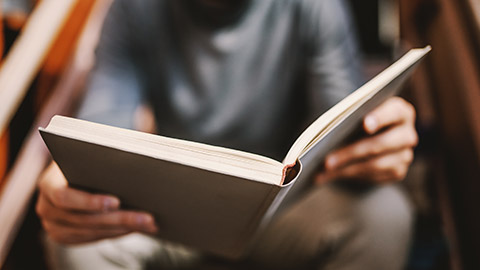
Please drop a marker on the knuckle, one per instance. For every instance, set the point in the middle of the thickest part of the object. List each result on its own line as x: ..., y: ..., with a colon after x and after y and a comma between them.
x: 410, y: 109
x: 410, y: 112
x: 398, y: 103
x: 374, y: 149
x: 58, y: 197
x: 381, y: 145
x: 396, y: 100
x: 406, y: 107
x: 399, y: 173
x: 408, y: 156
x: 378, y: 165
x: 40, y: 209
x: 414, y: 138
x: 377, y: 150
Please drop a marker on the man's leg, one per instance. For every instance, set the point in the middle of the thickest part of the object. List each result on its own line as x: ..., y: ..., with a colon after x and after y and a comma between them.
x: 334, y: 228
x: 329, y: 228
x: 134, y: 251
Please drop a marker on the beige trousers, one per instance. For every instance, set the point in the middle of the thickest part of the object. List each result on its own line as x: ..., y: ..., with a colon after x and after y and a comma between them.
x: 330, y: 227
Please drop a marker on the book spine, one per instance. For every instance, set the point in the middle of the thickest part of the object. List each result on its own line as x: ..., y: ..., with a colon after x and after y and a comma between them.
x: 286, y: 172
x: 257, y: 220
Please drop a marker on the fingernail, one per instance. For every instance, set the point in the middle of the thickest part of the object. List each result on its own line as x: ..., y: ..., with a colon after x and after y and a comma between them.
x: 146, y: 222
x: 371, y: 123
x: 143, y: 219
x: 331, y: 162
x: 110, y: 204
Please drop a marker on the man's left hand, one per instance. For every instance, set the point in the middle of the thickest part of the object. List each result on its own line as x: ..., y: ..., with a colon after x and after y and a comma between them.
x: 385, y: 154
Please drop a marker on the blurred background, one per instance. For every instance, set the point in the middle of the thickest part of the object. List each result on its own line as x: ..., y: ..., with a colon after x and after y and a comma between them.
x: 48, y: 49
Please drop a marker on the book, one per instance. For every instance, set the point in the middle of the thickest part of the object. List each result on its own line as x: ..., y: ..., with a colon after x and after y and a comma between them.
x: 211, y: 198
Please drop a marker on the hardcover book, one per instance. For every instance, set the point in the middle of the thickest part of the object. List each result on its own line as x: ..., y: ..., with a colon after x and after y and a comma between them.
x: 211, y: 198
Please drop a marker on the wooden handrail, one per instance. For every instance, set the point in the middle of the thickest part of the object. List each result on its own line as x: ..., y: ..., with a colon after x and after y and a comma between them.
x: 3, y: 135
x: 22, y: 178
x: 28, y: 53
x: 61, y: 50
x: 451, y: 85
x: 475, y: 8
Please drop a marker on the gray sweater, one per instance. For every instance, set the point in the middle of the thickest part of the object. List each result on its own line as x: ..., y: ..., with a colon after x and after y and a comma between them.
x: 250, y: 82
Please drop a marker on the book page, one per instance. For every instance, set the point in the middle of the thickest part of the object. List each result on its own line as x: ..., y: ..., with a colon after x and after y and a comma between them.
x: 348, y: 105
x: 208, y: 157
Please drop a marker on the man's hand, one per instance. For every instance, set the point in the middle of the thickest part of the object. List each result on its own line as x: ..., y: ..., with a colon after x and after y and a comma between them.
x: 71, y: 216
x: 385, y: 154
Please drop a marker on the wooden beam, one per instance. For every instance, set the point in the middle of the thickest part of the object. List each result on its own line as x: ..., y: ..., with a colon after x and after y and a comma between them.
x: 22, y: 179
x: 27, y: 54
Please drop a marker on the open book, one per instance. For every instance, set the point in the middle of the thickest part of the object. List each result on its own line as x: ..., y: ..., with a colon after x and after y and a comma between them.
x: 208, y: 197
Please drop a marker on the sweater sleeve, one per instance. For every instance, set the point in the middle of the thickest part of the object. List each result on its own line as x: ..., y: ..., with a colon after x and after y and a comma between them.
x: 114, y: 89
x: 333, y: 66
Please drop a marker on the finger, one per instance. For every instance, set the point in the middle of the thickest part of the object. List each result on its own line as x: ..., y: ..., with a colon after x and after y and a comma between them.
x: 390, y: 167
x: 132, y: 220
x: 392, y: 140
x: 54, y: 185
x: 72, y: 235
x: 73, y: 199
x: 393, y: 111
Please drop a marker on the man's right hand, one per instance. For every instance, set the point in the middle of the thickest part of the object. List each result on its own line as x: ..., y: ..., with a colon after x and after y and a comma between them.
x: 71, y: 216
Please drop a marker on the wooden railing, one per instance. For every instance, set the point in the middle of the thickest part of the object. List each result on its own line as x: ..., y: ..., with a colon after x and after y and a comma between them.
x: 447, y: 92
x: 73, y: 27
x: 26, y: 57
x: 3, y: 136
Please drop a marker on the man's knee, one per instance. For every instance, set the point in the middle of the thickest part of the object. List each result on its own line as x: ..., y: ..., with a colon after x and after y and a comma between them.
x: 306, y: 230
x: 381, y: 238
x: 386, y: 213
x: 332, y: 223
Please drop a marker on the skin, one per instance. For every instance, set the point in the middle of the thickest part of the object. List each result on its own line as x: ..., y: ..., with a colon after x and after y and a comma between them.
x: 71, y: 216
x: 385, y: 154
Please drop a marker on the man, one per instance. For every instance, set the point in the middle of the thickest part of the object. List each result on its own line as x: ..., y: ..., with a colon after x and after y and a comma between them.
x: 229, y: 73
